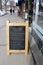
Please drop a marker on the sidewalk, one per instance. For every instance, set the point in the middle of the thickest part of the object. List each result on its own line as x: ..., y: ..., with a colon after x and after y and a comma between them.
x: 13, y: 59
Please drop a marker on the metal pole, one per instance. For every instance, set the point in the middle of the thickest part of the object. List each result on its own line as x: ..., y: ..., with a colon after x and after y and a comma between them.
x: 37, y: 11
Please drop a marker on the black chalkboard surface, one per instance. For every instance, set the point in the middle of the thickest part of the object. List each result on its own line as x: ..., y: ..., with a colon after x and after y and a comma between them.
x: 17, y: 37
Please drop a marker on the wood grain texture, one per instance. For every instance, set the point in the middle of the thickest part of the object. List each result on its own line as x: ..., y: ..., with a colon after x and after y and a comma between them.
x: 26, y: 36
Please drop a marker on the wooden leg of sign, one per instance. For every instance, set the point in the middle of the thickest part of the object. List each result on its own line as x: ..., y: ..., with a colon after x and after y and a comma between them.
x: 26, y: 52
x: 8, y: 53
x: 26, y: 39
x: 7, y: 35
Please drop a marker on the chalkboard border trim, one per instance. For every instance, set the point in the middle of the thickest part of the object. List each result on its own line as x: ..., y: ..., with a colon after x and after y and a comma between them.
x: 8, y: 23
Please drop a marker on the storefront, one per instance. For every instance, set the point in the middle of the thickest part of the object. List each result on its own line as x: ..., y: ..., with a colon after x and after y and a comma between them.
x: 38, y: 23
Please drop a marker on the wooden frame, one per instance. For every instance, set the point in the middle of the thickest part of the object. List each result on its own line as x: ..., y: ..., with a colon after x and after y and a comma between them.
x: 26, y: 36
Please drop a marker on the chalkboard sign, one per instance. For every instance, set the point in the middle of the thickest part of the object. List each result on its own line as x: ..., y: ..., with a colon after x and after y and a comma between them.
x: 17, y: 37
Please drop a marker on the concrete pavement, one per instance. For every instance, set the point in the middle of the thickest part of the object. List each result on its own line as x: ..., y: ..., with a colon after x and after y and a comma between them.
x: 13, y: 59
